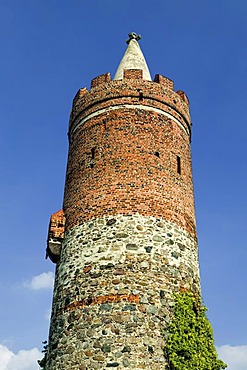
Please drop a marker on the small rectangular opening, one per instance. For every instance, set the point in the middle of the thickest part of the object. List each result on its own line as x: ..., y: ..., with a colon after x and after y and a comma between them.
x: 157, y: 154
x: 179, y: 165
x: 93, y: 153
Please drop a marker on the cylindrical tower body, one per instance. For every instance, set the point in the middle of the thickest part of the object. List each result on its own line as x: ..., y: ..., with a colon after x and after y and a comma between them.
x: 130, y: 238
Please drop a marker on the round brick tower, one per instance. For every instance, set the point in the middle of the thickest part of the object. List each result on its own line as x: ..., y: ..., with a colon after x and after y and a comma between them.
x: 130, y: 240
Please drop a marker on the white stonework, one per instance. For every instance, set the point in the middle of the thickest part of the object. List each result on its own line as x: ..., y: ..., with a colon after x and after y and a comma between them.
x: 133, y: 59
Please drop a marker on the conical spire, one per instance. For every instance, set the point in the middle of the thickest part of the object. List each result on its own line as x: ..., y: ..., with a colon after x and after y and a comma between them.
x: 133, y: 59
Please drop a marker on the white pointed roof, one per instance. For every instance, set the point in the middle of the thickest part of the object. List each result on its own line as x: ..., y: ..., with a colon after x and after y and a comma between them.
x: 133, y: 59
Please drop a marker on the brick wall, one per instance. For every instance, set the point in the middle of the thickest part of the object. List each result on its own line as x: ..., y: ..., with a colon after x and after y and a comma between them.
x: 130, y: 152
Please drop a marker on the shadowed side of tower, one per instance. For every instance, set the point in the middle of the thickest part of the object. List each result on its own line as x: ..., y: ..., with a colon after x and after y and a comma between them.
x: 130, y: 238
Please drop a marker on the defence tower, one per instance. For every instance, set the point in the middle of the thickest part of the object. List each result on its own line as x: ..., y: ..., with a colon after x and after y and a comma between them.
x: 125, y: 240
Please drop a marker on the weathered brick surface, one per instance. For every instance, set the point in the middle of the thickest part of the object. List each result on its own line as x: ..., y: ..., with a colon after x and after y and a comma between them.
x: 56, y: 226
x: 55, y: 235
x: 133, y: 74
x: 166, y: 82
x: 124, y: 151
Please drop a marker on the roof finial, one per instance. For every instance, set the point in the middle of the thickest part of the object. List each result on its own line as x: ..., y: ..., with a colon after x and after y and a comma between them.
x: 133, y: 36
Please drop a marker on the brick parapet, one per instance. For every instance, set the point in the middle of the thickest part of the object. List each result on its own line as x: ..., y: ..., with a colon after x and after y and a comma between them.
x: 99, y: 80
x: 166, y: 82
x: 133, y: 74
x: 154, y: 94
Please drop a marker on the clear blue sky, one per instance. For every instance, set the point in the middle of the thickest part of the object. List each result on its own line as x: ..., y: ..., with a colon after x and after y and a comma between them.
x: 49, y: 49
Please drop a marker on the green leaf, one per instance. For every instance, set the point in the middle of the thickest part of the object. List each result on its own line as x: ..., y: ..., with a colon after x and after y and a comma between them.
x: 190, y: 343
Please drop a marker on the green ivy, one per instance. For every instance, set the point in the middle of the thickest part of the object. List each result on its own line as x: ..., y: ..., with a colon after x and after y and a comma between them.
x: 190, y: 342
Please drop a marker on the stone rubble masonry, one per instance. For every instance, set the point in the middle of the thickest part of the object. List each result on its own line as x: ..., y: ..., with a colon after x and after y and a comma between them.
x: 114, y: 292
x: 130, y: 236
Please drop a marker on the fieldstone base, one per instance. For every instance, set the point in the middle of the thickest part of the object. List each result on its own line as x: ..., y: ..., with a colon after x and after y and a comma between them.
x: 114, y: 292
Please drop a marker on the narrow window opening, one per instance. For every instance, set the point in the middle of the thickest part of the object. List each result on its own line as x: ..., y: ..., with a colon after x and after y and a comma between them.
x: 179, y: 165
x: 140, y: 94
x: 93, y: 153
x: 92, y: 161
x: 157, y: 154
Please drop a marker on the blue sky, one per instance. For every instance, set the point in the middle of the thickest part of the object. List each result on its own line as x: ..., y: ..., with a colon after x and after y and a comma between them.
x: 49, y: 49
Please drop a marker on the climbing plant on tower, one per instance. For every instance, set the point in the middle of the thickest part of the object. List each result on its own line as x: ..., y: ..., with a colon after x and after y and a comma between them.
x: 190, y: 342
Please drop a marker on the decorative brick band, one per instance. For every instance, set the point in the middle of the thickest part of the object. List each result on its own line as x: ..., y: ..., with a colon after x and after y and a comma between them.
x: 112, y: 298
x: 129, y: 106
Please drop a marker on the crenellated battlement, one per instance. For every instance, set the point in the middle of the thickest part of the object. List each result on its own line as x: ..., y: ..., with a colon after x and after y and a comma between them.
x: 99, y: 80
x: 106, y: 93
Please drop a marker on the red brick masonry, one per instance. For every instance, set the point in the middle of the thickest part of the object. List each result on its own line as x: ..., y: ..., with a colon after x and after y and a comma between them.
x: 55, y: 235
x: 130, y: 152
